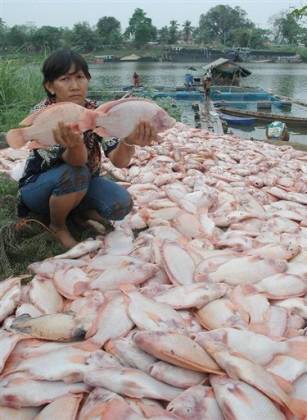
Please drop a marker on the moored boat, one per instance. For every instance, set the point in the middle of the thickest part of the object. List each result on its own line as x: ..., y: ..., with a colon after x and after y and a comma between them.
x: 267, y: 117
x: 234, y: 120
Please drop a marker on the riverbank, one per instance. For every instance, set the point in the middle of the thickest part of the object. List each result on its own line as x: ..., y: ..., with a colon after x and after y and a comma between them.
x: 188, y: 53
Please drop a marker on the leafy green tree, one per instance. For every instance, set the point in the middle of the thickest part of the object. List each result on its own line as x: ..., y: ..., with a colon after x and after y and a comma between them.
x: 163, y: 35
x: 109, y: 31
x: 299, y: 13
x: 249, y: 37
x: 47, y: 37
x: 173, y: 32
x: 187, y: 31
x: 83, y: 37
x: 140, y: 28
x: 219, y: 22
x: 287, y: 30
x: 18, y: 36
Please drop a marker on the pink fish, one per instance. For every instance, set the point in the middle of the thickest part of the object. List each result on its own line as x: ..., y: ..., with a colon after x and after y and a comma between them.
x: 40, y: 124
x: 119, y: 118
x: 116, y: 118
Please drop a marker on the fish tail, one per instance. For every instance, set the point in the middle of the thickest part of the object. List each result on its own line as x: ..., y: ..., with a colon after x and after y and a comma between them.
x: 126, y: 288
x: 298, y: 348
x: 88, y: 120
x: 298, y: 407
x: 285, y: 385
x: 109, y: 347
x: 16, y: 138
x: 100, y: 130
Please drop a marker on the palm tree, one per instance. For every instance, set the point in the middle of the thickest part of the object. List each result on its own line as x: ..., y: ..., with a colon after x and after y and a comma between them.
x: 187, y: 31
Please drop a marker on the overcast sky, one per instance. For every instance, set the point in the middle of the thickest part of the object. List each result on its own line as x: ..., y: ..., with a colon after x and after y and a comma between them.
x: 68, y: 12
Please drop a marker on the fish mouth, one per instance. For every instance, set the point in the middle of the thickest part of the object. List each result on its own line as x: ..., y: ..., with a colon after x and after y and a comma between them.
x: 79, y: 334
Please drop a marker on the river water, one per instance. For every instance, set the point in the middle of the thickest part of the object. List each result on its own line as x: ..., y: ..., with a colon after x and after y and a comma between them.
x: 282, y: 79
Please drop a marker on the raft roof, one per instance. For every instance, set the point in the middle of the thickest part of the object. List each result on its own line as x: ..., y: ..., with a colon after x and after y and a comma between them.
x: 223, y: 65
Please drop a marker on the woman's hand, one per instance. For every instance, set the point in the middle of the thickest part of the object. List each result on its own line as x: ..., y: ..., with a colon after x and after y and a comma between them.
x: 75, y: 153
x: 143, y: 135
x: 65, y: 136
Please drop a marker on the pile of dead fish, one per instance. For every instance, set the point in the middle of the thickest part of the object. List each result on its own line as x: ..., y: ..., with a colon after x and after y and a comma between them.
x: 201, y: 315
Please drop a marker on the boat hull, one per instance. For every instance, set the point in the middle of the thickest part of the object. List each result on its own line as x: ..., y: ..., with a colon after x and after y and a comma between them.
x: 233, y: 120
x: 267, y: 117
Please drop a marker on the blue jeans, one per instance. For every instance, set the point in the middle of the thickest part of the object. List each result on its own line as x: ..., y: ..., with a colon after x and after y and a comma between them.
x: 110, y: 200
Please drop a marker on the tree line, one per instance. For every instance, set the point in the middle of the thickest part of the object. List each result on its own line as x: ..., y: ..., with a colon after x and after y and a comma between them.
x: 221, y: 26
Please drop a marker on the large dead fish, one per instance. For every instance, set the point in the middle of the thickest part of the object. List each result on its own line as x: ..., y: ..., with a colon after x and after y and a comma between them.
x: 150, y: 315
x: 40, y: 124
x: 56, y: 327
x: 27, y: 413
x: 129, y: 354
x: 177, y: 349
x: 192, y: 295
x: 242, y: 400
x: 117, y: 118
x: 257, y: 348
x: 8, y: 341
x: 96, y: 402
x: 176, y: 376
x: 197, y: 402
x: 66, y: 363
x: 249, y: 372
x: 112, y: 321
x: 10, y: 294
x: 64, y: 408
x: 20, y: 390
x: 82, y: 248
x: 131, y: 382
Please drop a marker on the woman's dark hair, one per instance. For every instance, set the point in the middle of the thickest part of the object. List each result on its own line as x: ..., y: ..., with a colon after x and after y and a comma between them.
x: 59, y: 63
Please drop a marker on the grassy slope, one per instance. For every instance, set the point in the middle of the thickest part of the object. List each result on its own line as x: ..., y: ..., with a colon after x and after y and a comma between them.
x: 22, y: 243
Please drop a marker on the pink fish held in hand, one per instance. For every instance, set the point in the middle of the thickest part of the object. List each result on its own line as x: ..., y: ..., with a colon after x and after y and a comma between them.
x: 40, y: 124
x: 119, y: 118
x: 115, y: 118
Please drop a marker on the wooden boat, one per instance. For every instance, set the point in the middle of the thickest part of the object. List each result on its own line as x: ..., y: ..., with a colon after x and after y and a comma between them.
x: 267, y: 117
x: 234, y: 120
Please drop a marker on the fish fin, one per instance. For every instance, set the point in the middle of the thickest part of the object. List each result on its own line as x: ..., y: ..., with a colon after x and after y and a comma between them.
x: 15, y: 138
x: 297, y: 349
x: 109, y: 346
x: 192, y: 365
x: 126, y: 288
x: 88, y: 120
x: 298, y: 407
x: 29, y: 120
x: 85, y: 346
x: 101, y: 131
x: 285, y: 385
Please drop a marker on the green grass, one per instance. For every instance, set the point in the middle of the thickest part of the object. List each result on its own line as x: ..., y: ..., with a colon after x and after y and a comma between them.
x: 23, y: 241
x: 20, y: 245
x: 20, y: 89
